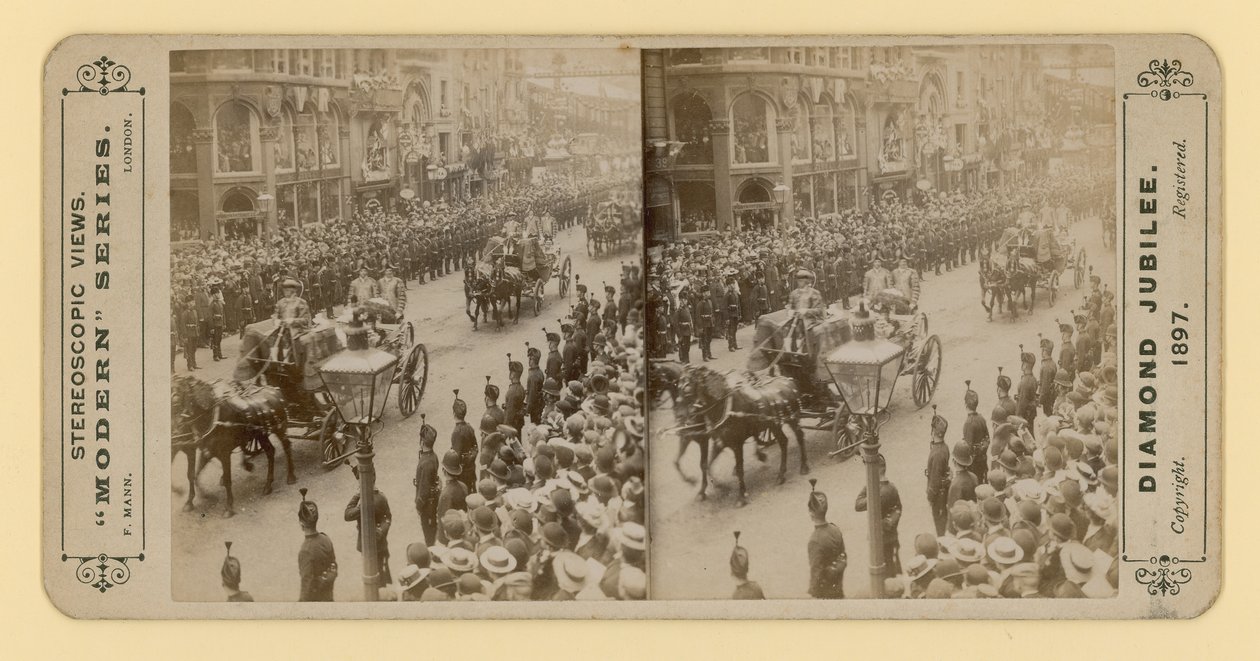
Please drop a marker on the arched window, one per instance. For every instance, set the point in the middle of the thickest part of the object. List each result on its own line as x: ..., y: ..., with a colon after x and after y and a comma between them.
x: 754, y: 193
x: 284, y: 143
x: 691, y: 127
x: 822, y: 128
x: 801, y: 131
x: 183, y: 150
x: 235, y: 138
x: 752, y: 122
x: 238, y: 201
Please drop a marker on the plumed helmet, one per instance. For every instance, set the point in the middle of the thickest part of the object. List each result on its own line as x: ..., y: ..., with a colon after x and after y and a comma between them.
x: 817, y: 503
x: 739, y: 559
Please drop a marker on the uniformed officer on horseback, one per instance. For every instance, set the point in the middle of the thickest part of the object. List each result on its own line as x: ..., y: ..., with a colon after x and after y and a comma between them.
x: 804, y: 304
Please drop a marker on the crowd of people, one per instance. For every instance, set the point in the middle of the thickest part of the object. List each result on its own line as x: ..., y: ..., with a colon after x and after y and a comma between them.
x: 745, y: 274
x: 1023, y: 503
x: 544, y: 500
x: 219, y: 287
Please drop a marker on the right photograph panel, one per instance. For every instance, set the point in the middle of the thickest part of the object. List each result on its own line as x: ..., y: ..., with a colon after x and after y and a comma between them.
x: 882, y: 270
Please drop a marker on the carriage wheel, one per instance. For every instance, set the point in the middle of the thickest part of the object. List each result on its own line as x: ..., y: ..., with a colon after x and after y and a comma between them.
x: 538, y: 296
x: 566, y: 273
x: 1078, y: 271
x: 413, y: 380
x: 927, y: 372
x: 920, y: 325
x: 332, y: 439
x: 846, y: 442
x: 1054, y: 288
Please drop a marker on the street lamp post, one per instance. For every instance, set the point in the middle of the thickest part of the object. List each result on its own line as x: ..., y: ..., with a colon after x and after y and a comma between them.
x: 264, y: 205
x: 865, y: 370
x: 780, y: 197
x: 358, y: 380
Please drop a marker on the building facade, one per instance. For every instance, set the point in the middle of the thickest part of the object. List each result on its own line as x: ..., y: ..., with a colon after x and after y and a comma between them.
x: 269, y: 140
x: 753, y: 137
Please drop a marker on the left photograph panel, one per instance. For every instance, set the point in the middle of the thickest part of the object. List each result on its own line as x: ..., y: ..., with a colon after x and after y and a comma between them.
x: 405, y: 325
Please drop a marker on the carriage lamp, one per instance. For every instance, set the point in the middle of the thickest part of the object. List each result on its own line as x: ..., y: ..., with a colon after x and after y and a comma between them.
x: 865, y: 370
x: 358, y: 381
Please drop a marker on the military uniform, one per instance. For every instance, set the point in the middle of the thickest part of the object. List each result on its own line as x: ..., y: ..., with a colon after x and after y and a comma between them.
x: 890, y: 511
x: 190, y: 335
x: 217, y: 324
x: 514, y: 403
x: 317, y: 562
x: 382, y: 519
x: 428, y: 488
x: 827, y: 562
x: 683, y: 328
x: 731, y: 300
x: 464, y: 443
x: 704, y: 327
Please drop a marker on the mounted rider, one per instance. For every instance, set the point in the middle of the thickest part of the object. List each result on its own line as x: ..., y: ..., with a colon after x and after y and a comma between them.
x: 804, y: 303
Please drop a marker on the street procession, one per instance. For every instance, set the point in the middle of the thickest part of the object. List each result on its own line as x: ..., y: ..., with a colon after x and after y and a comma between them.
x: 472, y: 347
x: 945, y: 338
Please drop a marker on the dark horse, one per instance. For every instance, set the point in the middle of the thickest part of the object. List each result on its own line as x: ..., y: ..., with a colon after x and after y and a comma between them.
x: 209, y: 422
x: 477, y: 294
x: 994, y: 292
x: 1001, y: 286
x: 712, y: 410
x: 663, y: 378
x: 505, y: 292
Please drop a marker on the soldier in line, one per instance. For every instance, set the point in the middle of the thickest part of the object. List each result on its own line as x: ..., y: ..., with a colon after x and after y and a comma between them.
x: 534, y: 385
x: 683, y: 328
x: 1026, y: 397
x: 514, y: 401
x: 463, y: 444
x: 976, y: 431
x: 937, y: 473
x: 317, y: 560
x: 731, y: 301
x: 890, y: 512
x: 744, y: 588
x: 230, y: 577
x: 428, y: 486
x: 827, y: 557
x: 704, y: 327
x: 382, y: 519
x: 190, y: 333
x: 217, y: 320
x: 1049, y: 370
x: 555, y: 363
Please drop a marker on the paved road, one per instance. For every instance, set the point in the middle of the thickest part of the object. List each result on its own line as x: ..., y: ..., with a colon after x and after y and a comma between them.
x: 265, y: 532
x: 696, y: 536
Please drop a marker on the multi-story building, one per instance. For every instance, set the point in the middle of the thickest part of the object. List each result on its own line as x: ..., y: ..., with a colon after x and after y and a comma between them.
x: 264, y: 140
x: 745, y: 137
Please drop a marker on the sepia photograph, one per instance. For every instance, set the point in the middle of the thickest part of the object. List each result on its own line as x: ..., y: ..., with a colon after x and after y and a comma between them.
x: 882, y: 269
x: 406, y: 325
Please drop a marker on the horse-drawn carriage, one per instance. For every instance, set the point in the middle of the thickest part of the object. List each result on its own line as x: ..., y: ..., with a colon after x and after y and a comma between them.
x: 509, y: 270
x: 1024, y: 261
x: 802, y: 351
x: 612, y: 228
x: 789, y: 381
x: 276, y: 390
